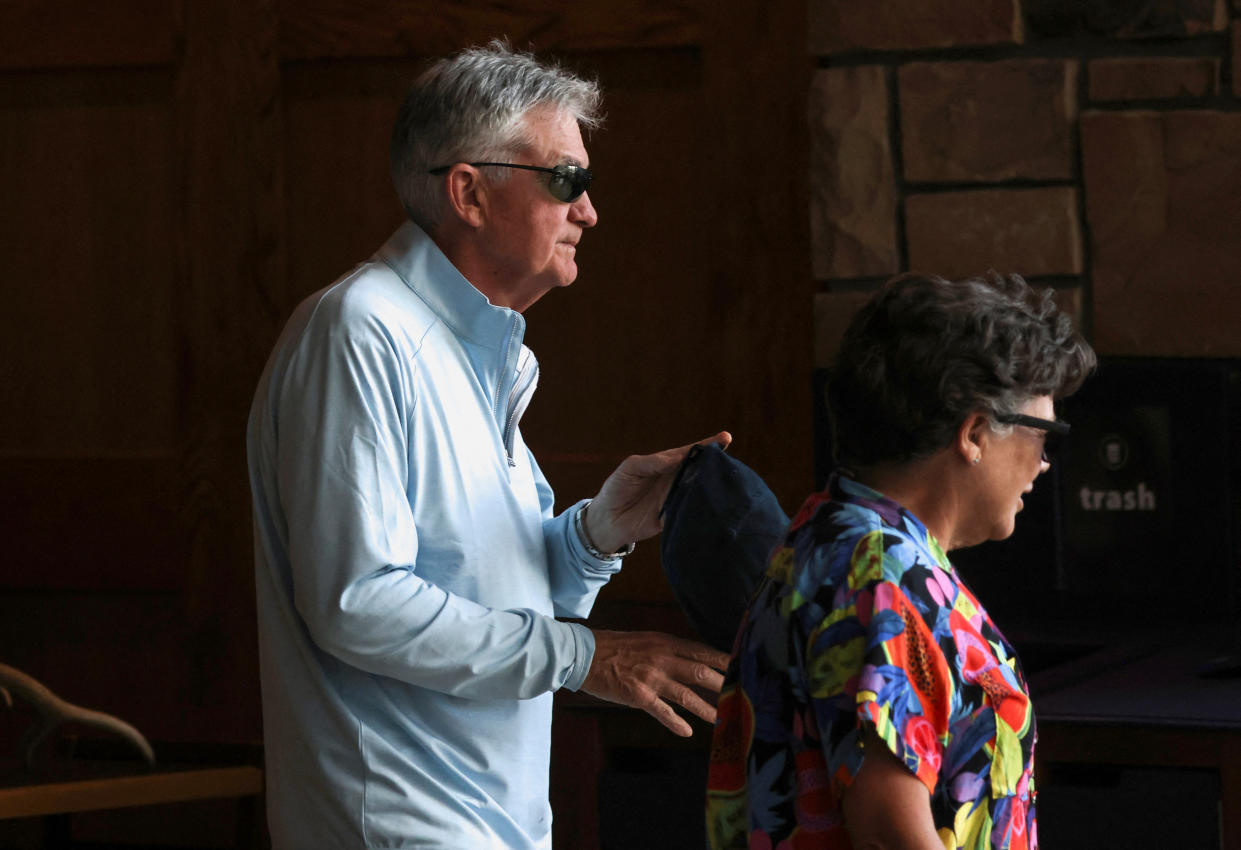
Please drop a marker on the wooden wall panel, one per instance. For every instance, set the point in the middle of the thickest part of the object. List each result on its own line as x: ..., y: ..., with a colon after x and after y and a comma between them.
x: 231, y: 254
x: 90, y: 340
x: 339, y: 201
x: 111, y: 650
x: 72, y: 34
x: 91, y: 524
x: 87, y: 342
x: 314, y: 29
x: 755, y: 85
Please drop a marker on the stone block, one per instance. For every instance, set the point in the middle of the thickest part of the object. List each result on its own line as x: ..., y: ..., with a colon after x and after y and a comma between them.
x: 1123, y: 18
x: 1026, y: 231
x: 1153, y: 78
x: 1163, y: 203
x: 986, y: 121
x: 836, y: 26
x: 832, y: 313
x: 852, y: 179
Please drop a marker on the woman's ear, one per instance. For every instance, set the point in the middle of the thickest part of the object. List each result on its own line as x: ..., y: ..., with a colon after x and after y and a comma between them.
x: 972, y: 437
x: 467, y: 194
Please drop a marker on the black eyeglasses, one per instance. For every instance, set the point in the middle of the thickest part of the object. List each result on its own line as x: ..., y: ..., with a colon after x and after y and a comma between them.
x: 567, y: 182
x: 1056, y: 430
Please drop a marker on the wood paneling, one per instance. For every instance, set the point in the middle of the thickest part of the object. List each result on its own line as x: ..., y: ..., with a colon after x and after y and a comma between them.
x: 114, y: 650
x: 71, y: 34
x: 178, y: 175
x: 339, y: 201
x: 88, y: 253
x: 231, y: 253
x: 341, y: 28
x: 757, y: 236
x: 92, y: 524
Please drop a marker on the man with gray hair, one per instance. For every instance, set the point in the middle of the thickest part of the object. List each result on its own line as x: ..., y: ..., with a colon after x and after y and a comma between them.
x: 409, y: 565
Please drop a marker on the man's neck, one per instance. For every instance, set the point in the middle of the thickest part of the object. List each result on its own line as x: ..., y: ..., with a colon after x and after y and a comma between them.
x: 462, y: 250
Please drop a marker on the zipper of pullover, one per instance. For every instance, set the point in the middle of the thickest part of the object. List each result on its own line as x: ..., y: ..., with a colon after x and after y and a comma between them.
x: 519, y: 399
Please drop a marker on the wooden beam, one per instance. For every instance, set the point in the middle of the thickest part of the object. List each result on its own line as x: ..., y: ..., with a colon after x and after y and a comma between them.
x: 319, y: 29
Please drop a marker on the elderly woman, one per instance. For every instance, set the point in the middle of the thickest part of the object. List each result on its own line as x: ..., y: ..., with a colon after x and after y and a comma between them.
x: 870, y: 701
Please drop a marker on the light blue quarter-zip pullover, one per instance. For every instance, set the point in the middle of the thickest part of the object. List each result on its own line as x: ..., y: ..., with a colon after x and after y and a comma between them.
x: 409, y: 567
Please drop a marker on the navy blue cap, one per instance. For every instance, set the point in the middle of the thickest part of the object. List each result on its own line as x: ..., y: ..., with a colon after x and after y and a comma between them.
x: 721, y: 522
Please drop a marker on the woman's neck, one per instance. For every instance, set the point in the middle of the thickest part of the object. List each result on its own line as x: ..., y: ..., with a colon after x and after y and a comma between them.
x: 923, y: 487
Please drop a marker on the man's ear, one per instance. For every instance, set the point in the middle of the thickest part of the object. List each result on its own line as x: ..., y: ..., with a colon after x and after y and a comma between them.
x: 972, y: 437
x: 467, y: 194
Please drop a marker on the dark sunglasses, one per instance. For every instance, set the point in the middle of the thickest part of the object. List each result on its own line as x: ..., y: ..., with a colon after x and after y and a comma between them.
x: 1056, y: 430
x: 567, y: 182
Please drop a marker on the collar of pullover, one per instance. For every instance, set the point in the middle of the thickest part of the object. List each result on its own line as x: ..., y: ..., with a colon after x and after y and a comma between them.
x: 492, y: 335
x: 412, y: 254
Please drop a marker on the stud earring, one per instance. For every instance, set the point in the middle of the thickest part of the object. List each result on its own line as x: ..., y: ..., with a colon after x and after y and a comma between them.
x: 977, y: 458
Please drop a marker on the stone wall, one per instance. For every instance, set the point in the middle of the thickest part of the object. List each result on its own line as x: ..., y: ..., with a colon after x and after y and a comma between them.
x: 1094, y: 147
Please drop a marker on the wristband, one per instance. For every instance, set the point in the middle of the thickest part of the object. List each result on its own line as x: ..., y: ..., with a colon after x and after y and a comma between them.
x: 579, y: 522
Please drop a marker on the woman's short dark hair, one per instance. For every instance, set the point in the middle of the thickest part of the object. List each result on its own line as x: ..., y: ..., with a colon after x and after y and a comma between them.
x: 926, y: 352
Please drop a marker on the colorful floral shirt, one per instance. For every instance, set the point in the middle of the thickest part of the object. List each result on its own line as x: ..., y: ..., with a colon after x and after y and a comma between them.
x: 862, y: 622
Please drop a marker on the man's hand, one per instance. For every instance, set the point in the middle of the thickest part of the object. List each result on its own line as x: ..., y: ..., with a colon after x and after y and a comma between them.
x: 627, y: 507
x: 643, y: 669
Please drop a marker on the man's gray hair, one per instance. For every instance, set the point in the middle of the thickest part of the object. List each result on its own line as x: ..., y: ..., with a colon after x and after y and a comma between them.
x: 471, y: 107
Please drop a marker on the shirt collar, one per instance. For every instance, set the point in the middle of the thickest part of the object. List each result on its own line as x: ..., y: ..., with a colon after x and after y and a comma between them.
x: 425, y: 269
x: 847, y: 489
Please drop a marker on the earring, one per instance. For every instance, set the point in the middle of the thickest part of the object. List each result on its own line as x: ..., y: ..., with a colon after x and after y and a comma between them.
x: 976, y: 459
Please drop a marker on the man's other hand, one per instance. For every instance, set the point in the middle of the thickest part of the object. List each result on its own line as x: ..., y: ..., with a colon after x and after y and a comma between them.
x: 627, y: 507
x: 648, y: 670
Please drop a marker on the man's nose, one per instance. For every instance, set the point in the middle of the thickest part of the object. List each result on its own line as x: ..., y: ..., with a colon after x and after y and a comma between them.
x: 583, y: 211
